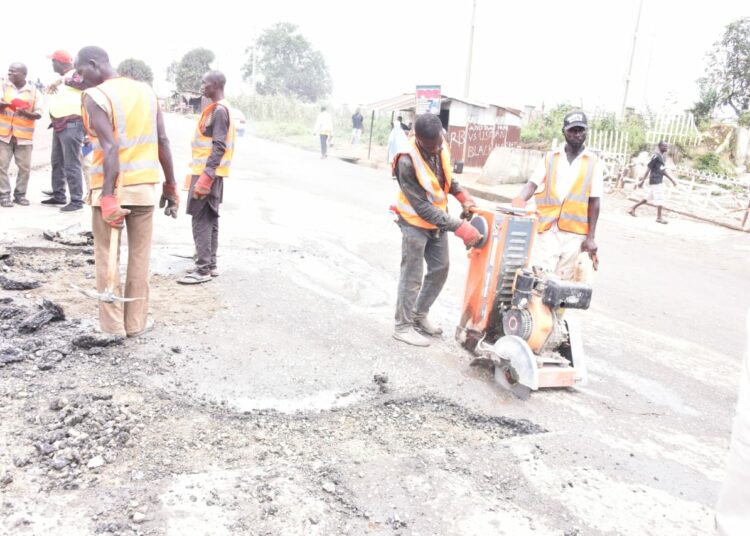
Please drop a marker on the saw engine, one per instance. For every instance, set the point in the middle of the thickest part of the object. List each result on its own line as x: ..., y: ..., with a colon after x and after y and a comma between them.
x: 513, y: 315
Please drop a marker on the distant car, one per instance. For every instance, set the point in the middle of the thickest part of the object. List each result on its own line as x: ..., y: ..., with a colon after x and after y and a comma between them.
x: 239, y: 121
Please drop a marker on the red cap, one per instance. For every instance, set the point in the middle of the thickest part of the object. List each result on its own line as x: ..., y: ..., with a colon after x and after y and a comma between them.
x: 61, y: 56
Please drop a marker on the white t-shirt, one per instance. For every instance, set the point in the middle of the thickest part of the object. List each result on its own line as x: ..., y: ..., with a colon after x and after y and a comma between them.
x: 567, y: 174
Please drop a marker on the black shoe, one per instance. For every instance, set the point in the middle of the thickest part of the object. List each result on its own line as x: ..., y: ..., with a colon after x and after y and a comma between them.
x: 21, y: 201
x: 53, y: 201
x: 48, y: 193
x: 71, y: 207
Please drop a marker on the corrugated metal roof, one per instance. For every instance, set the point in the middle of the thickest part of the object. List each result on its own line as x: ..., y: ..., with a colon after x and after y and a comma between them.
x: 401, y: 102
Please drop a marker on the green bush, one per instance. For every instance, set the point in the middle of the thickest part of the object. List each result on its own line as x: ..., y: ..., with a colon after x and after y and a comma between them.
x: 710, y: 163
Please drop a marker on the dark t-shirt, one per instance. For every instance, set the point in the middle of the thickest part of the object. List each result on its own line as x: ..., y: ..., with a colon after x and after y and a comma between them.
x: 357, y: 120
x: 656, y: 168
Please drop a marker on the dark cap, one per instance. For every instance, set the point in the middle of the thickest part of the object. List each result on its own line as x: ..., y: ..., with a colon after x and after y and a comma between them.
x: 575, y: 119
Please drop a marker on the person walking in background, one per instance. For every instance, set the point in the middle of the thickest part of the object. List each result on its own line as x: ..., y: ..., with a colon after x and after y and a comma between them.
x: 324, y: 129
x: 213, y: 147
x: 357, y: 123
x: 20, y: 108
x: 657, y: 170
x: 67, y: 134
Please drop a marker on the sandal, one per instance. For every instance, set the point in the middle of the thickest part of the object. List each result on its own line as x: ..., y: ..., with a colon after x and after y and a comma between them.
x: 194, y: 278
x: 5, y: 202
x: 662, y: 221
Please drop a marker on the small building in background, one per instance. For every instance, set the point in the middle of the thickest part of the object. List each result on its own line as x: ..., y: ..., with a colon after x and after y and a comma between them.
x: 474, y: 128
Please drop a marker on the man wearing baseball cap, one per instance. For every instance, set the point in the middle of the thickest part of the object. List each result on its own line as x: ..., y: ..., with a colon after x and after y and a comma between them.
x: 570, y: 183
x: 67, y: 134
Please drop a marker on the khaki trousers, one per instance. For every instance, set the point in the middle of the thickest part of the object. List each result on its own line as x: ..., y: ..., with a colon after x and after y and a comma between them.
x: 22, y: 155
x: 130, y: 317
x: 559, y: 252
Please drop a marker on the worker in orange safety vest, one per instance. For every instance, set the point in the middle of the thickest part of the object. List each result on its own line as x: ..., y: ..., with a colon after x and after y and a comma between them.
x: 567, y: 185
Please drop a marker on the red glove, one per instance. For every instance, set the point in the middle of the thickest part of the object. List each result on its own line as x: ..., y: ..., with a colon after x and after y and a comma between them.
x: 467, y: 203
x: 469, y: 234
x: 203, y: 186
x: 19, y: 104
x: 112, y: 213
x: 170, y: 198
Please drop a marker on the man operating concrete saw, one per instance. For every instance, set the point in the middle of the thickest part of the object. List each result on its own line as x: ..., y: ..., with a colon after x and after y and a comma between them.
x: 571, y: 182
x: 424, y: 175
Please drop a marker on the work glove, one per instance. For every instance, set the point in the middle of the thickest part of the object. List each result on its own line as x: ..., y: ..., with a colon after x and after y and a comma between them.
x: 518, y: 202
x: 112, y: 212
x: 467, y: 203
x: 169, y: 198
x: 469, y: 234
x: 203, y: 186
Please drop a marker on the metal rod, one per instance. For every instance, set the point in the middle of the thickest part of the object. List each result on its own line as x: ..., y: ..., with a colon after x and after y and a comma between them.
x: 630, y: 66
x: 467, y: 82
x: 372, y: 122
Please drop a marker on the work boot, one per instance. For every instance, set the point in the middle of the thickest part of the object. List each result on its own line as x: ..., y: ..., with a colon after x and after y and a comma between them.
x: 424, y: 324
x: 410, y: 336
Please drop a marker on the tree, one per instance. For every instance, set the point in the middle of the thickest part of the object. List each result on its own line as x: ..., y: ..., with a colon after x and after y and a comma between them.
x: 728, y: 71
x: 287, y: 65
x: 193, y: 65
x: 136, y: 69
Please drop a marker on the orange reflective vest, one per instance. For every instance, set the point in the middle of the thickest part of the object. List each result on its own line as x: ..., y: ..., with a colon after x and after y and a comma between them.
x: 572, y: 212
x: 428, y: 180
x: 134, y: 107
x: 12, y: 124
x: 203, y: 145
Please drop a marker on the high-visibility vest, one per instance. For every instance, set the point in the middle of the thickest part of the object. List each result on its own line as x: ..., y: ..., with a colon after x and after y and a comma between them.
x: 134, y: 107
x: 202, y: 145
x: 67, y: 100
x: 428, y: 180
x: 12, y: 124
x: 572, y: 212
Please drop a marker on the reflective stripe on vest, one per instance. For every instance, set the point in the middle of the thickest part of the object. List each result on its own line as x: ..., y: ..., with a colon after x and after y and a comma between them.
x: 15, y: 125
x: 571, y: 213
x: 202, y: 145
x: 428, y: 181
x: 134, y: 108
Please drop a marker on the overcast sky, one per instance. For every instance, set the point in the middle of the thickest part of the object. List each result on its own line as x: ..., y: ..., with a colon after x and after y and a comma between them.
x: 525, y: 52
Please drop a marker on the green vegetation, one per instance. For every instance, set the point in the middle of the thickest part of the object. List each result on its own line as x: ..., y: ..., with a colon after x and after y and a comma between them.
x: 287, y: 65
x: 188, y: 72
x: 136, y: 70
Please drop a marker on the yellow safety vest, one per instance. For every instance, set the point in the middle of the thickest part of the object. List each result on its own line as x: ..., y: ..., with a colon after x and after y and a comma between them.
x: 134, y: 108
x: 203, y: 145
x: 572, y: 212
x: 67, y: 100
x: 428, y: 180
x: 15, y: 125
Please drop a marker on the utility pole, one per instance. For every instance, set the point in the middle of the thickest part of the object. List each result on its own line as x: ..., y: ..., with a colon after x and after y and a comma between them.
x: 467, y: 82
x: 630, y: 66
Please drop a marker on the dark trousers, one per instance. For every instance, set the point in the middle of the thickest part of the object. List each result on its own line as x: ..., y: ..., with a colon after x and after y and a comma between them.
x: 66, y: 163
x: 324, y: 145
x: 415, y: 296
x: 205, y: 213
x: 206, y: 238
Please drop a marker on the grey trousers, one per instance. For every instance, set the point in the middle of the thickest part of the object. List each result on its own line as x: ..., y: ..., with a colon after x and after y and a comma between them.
x: 415, y: 296
x: 22, y: 155
x: 66, y: 163
x: 206, y: 238
x: 205, y: 213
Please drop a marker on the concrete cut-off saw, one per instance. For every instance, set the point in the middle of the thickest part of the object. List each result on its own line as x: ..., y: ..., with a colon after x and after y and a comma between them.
x: 512, y: 316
